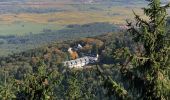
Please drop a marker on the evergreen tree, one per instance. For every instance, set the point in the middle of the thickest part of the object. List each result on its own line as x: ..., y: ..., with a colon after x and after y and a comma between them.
x: 38, y: 85
x: 95, y: 49
x: 7, y: 90
x: 146, y: 69
x: 73, y: 89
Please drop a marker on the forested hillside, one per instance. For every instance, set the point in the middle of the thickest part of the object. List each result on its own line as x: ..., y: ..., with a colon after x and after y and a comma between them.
x: 67, y: 83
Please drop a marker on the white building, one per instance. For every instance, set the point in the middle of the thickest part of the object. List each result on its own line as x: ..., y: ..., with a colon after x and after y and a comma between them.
x: 81, y: 62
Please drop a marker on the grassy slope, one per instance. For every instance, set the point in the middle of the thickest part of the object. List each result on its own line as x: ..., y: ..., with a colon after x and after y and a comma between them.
x: 12, y: 24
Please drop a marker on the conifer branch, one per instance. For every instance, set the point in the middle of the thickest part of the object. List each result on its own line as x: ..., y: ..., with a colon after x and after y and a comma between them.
x: 140, y: 19
x: 113, y: 87
x: 166, y: 6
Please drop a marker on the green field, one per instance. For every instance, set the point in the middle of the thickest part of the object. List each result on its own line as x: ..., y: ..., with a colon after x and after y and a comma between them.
x: 22, y: 28
x: 24, y: 23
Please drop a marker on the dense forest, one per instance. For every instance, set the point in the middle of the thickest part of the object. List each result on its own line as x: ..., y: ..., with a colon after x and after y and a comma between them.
x: 50, y: 59
x: 134, y: 65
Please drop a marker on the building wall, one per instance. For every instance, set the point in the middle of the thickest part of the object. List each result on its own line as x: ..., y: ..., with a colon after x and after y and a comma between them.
x: 81, y: 62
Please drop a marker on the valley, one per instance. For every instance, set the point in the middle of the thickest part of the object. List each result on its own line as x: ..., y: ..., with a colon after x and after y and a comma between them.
x: 34, y: 23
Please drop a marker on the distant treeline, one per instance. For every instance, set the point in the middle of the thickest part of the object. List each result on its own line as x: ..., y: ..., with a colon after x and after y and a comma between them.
x: 47, y: 35
x: 11, y: 9
x: 70, y: 32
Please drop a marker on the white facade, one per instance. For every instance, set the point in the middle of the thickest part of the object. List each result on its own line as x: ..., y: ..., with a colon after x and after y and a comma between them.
x: 81, y: 62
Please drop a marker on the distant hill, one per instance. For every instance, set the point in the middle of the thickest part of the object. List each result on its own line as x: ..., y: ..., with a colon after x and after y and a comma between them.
x: 75, y: 1
x: 82, y: 1
x: 115, y: 2
x: 12, y: 0
x: 67, y: 0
